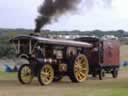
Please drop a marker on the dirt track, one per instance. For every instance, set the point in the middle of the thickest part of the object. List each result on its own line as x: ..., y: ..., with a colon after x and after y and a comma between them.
x: 63, y: 88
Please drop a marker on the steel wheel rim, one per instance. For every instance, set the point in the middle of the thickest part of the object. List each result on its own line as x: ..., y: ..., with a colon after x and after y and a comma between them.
x: 26, y: 74
x: 81, y: 68
x: 47, y: 74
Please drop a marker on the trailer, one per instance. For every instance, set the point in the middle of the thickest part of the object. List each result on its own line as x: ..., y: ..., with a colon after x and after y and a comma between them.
x: 104, y: 56
x: 51, y: 59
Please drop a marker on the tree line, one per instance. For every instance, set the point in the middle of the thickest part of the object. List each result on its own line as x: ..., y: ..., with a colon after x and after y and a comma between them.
x: 7, y: 50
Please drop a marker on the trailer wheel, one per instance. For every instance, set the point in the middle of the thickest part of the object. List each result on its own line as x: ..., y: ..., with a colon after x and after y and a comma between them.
x: 57, y: 78
x: 25, y: 75
x: 78, y: 68
x: 101, y: 74
x: 115, y: 73
x: 46, y: 74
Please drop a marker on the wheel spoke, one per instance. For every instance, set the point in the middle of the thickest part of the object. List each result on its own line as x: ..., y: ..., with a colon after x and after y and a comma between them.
x: 84, y: 69
x: 79, y: 76
x: 82, y: 74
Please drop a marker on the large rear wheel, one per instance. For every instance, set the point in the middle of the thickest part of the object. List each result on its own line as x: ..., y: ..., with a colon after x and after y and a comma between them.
x: 78, y: 69
x: 46, y: 74
x: 25, y: 75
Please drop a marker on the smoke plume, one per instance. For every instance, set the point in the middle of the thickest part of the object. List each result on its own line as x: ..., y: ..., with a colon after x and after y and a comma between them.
x: 53, y: 8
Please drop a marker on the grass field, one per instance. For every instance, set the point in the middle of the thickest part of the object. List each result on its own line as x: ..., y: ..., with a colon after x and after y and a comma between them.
x: 124, y: 53
x: 9, y: 86
x: 5, y: 75
x: 91, y: 87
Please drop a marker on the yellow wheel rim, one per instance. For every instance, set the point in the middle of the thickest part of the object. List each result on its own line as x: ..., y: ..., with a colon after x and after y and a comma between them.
x: 47, y: 74
x: 26, y: 74
x: 81, y: 68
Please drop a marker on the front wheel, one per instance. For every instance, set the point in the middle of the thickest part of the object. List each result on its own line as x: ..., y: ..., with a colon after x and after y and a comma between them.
x: 46, y: 74
x: 78, y: 68
x: 25, y: 75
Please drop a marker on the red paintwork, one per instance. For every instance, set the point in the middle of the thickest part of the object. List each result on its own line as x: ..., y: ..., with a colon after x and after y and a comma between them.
x: 111, y: 54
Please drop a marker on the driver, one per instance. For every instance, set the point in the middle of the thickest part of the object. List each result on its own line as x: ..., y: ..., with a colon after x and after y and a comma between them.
x: 38, y: 53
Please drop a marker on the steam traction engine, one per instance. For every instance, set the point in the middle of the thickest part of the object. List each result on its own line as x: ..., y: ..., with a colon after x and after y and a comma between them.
x: 51, y: 59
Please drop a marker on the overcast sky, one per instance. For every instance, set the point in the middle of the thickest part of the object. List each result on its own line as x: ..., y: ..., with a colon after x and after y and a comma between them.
x: 21, y: 14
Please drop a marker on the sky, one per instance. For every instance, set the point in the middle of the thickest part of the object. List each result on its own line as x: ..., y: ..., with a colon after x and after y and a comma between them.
x: 22, y: 13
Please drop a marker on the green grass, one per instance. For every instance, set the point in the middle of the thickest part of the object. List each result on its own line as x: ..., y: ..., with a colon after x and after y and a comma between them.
x: 124, y: 68
x: 100, y: 88
x: 124, y: 52
x: 6, y: 75
x: 106, y: 87
x: 100, y: 92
